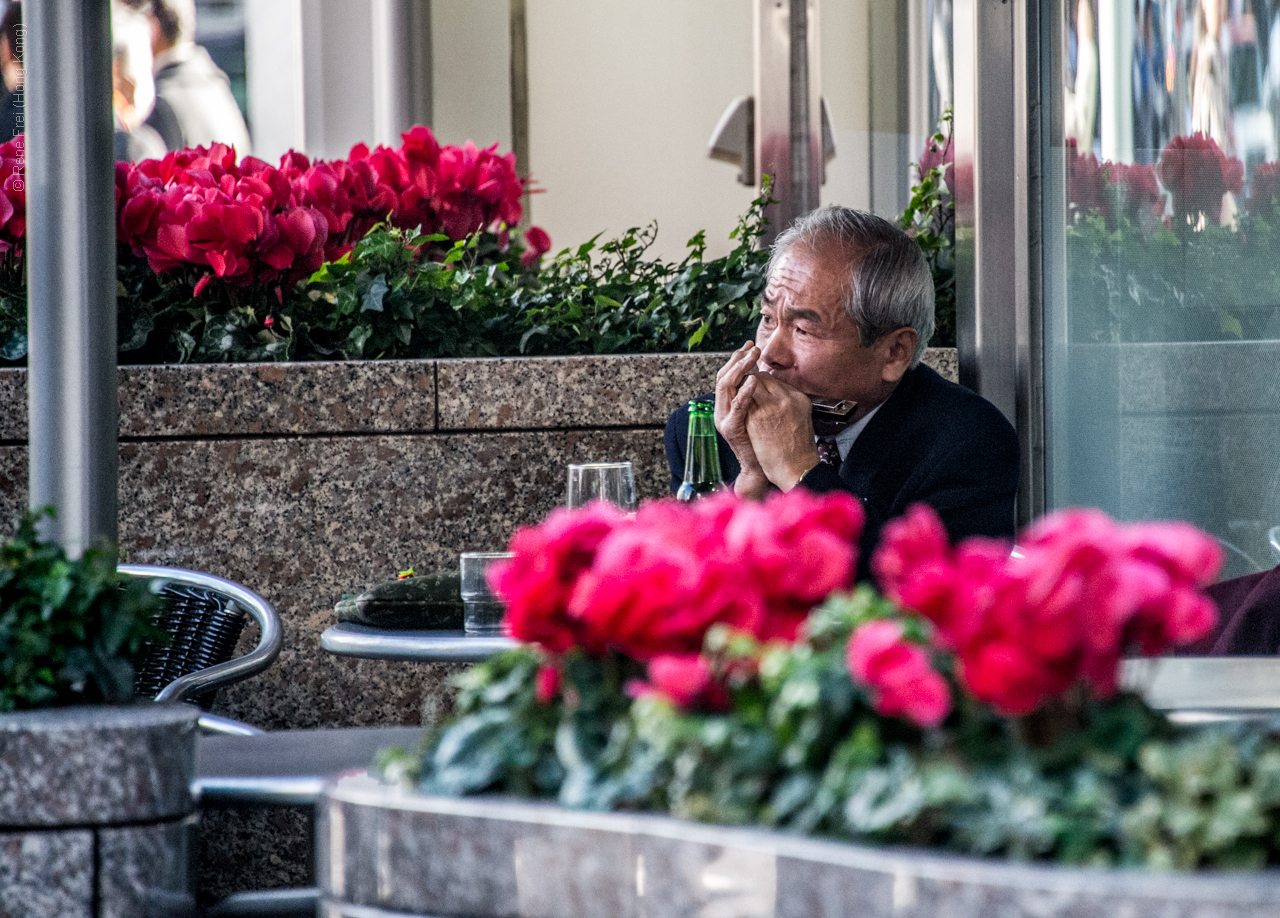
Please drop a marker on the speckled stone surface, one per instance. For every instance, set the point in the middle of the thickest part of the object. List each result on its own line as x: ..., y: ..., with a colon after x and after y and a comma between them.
x: 944, y: 360
x: 405, y: 854
x: 278, y: 398
x: 244, y: 849
x: 266, y: 398
x: 302, y: 521
x: 145, y: 870
x: 232, y: 470
x: 122, y: 872
x: 621, y: 391
x: 13, y: 404
x: 46, y: 873
x: 13, y: 486
x: 96, y: 765
x: 540, y: 392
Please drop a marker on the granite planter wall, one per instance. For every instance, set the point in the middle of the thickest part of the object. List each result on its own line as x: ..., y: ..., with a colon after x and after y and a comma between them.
x: 307, y: 481
x: 383, y: 852
x: 95, y: 812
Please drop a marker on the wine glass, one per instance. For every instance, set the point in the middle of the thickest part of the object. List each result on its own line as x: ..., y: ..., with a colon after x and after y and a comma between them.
x: 614, y: 482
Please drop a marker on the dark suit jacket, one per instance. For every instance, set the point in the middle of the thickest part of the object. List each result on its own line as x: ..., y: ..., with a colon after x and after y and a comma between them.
x: 932, y: 441
x: 1248, y: 617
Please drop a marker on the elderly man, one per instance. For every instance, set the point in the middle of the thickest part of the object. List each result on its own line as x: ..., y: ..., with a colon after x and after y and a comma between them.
x: 846, y: 314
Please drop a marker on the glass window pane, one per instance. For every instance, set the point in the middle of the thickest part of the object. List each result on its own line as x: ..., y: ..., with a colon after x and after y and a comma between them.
x: 1163, y: 323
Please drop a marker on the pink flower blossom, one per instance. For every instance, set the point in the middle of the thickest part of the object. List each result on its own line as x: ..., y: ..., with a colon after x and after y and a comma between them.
x: 686, y: 680
x: 537, y: 243
x: 1198, y: 174
x: 1086, y: 591
x: 537, y: 582
x: 654, y: 584
x: 897, y: 673
x: 546, y: 684
x: 1137, y: 190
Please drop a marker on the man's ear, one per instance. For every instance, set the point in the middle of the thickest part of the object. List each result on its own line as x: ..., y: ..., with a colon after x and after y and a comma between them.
x: 899, y: 350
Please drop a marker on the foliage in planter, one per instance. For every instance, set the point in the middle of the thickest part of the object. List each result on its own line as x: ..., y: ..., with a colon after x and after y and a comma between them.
x: 673, y: 669
x: 68, y: 628
x: 209, y: 245
x: 390, y: 298
x: 404, y: 291
x: 930, y: 219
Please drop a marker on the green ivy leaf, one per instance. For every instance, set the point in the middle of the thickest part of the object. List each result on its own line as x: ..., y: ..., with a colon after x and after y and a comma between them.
x: 372, y: 301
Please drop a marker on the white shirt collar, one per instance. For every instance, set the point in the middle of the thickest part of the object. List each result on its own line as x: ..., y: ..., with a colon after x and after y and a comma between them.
x: 846, y: 437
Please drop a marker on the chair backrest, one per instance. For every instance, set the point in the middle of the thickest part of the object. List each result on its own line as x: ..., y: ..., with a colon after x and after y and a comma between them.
x: 205, y: 616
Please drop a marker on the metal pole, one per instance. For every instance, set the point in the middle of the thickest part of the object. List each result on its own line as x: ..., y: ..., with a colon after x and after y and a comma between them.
x: 788, y: 107
x: 802, y: 203
x: 520, y: 98
x: 71, y: 268
x: 998, y: 125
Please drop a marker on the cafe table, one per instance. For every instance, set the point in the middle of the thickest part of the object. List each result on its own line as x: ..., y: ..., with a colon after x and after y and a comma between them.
x: 347, y: 639
x: 1190, y: 689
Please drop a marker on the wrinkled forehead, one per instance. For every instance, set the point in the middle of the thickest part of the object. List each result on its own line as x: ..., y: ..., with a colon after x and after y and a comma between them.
x: 814, y: 270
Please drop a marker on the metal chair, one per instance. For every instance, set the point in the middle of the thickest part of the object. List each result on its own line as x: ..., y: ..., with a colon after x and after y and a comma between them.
x: 205, y: 615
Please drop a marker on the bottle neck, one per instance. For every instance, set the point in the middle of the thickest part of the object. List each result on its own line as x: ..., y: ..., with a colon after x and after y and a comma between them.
x: 702, y: 458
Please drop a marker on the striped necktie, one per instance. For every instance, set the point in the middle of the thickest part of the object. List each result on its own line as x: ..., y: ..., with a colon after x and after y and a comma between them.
x: 829, y: 451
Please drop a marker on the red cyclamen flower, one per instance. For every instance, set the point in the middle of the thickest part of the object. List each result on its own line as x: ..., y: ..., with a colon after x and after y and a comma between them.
x: 1086, y: 590
x: 685, y: 680
x: 1198, y: 174
x: 898, y: 674
x: 547, y: 684
x: 654, y: 584
x: 537, y: 243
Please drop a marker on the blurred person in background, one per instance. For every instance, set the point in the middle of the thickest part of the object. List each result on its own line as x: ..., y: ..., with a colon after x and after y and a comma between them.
x: 1210, y: 76
x: 194, y: 105
x: 1271, y: 80
x: 133, y: 88
x: 1081, y: 103
x: 1150, y: 94
x: 12, y: 120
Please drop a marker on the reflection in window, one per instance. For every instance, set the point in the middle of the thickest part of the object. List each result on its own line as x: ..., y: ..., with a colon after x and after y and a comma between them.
x: 1162, y: 354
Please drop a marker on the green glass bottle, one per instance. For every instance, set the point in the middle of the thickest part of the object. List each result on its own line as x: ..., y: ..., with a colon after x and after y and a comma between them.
x: 701, y: 458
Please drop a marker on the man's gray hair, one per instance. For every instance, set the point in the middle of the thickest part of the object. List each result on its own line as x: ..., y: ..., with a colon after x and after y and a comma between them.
x: 887, y: 285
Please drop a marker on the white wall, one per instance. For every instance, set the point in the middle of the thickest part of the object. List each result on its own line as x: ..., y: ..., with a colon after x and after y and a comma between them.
x: 470, y: 72
x: 623, y: 97
x: 846, y: 74
x: 324, y: 75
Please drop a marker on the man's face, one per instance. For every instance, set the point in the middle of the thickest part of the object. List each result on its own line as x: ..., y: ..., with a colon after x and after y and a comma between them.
x: 808, y: 341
